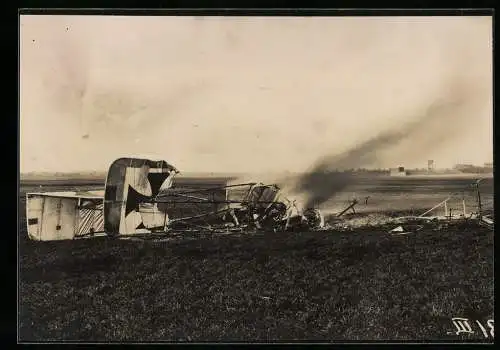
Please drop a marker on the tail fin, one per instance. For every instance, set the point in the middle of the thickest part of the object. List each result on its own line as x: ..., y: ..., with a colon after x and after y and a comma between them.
x: 132, y: 181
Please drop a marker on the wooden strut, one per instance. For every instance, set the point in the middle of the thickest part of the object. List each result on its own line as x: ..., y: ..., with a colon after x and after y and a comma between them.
x: 351, y: 206
x: 210, y: 189
x: 199, y: 216
x: 211, y: 202
x: 77, y: 218
x: 165, y: 223
x: 479, y: 204
x: 463, y: 204
x: 436, y: 206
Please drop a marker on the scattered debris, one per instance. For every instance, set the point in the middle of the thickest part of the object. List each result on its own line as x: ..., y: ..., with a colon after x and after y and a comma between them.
x: 401, y: 233
x: 487, y: 221
x: 406, y: 229
x: 142, y: 203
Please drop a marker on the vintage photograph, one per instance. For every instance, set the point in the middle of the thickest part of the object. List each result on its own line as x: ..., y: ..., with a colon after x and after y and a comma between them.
x: 255, y: 178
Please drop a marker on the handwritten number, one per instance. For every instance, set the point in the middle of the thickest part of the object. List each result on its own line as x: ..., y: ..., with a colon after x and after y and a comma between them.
x: 482, y: 328
x: 491, y: 325
x: 463, y: 326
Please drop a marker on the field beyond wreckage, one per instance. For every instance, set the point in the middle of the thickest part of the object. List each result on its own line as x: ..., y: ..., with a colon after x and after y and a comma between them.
x: 365, y: 284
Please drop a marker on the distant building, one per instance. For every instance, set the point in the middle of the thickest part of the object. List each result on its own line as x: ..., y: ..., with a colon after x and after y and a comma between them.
x: 430, y: 165
x: 399, y: 171
x: 488, y: 165
x: 463, y: 166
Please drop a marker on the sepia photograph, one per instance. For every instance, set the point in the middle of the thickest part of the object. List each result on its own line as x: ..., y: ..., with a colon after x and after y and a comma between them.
x: 255, y: 179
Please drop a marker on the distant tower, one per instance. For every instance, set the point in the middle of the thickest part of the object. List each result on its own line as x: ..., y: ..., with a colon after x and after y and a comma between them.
x: 430, y: 165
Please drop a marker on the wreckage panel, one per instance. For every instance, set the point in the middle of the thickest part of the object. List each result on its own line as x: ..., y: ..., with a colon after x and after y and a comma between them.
x: 50, y: 217
x: 34, y: 213
x: 58, y: 218
x: 132, y: 181
x: 68, y: 220
x: 90, y: 218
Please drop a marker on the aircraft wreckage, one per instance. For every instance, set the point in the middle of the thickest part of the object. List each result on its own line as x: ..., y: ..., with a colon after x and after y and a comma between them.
x: 139, y: 200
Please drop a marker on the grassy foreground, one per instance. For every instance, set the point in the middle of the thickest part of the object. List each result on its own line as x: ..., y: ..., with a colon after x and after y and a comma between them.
x: 314, y: 286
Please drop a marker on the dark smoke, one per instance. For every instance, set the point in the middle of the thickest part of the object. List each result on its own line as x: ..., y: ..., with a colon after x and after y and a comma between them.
x: 325, y: 179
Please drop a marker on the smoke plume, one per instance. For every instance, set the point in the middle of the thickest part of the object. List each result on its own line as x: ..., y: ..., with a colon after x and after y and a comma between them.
x: 444, y: 120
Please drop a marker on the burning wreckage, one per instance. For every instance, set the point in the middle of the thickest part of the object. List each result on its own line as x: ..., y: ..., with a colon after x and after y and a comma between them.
x: 139, y: 200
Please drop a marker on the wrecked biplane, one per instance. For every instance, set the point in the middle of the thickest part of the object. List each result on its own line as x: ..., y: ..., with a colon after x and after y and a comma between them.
x: 139, y: 199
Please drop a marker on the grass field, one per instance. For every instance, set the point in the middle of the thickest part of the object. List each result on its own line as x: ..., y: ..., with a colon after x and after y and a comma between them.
x: 308, y: 286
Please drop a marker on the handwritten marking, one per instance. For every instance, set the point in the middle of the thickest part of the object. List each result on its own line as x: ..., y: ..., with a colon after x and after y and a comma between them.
x: 491, y: 324
x: 485, y: 333
x: 463, y: 325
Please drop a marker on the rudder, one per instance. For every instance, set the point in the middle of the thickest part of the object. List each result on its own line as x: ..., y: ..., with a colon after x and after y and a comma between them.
x: 131, y: 181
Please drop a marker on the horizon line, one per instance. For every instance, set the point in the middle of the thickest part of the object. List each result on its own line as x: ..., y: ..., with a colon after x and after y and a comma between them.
x: 253, y: 172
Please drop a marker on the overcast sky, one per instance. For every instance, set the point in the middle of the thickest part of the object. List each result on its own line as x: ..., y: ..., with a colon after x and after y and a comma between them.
x: 252, y: 94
